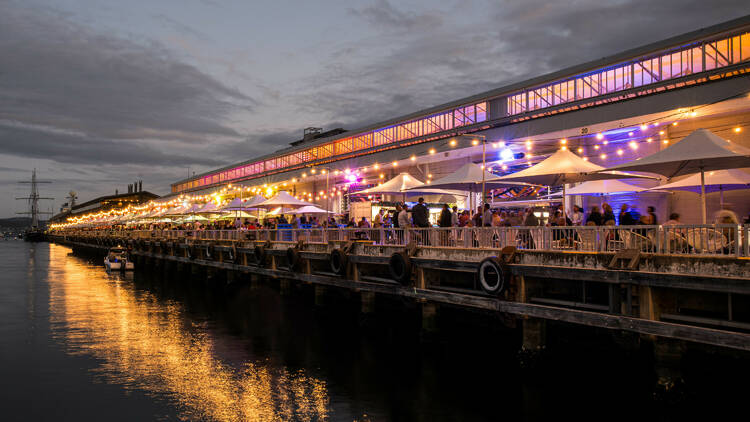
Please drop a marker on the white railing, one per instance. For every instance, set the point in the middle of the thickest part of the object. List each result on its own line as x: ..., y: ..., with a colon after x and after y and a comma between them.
x: 722, y: 240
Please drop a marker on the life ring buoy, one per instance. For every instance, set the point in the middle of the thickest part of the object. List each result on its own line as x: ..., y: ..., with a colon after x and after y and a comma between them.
x: 338, y: 261
x: 260, y: 254
x: 400, y: 267
x: 492, y: 274
x: 292, y: 258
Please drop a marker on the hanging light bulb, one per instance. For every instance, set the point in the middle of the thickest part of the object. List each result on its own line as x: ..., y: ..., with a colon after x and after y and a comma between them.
x: 599, y: 136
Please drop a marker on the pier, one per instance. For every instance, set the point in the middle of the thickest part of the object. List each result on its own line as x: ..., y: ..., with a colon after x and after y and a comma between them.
x: 661, y: 296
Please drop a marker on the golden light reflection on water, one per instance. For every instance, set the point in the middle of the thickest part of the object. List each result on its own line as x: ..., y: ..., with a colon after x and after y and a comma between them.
x: 152, y: 346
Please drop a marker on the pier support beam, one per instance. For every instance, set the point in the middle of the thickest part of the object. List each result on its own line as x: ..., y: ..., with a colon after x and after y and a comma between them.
x: 320, y: 295
x: 534, y: 342
x: 368, y: 302
x: 429, y: 317
x: 668, y: 355
x: 285, y: 287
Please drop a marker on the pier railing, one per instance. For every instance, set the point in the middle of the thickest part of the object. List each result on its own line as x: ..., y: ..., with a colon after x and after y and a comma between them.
x: 722, y: 240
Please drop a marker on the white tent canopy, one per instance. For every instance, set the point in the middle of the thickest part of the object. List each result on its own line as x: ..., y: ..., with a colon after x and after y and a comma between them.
x: 397, y: 185
x: 699, y: 152
x: 311, y: 209
x: 563, y: 167
x: 208, y: 208
x: 715, y: 181
x: 469, y: 178
x: 604, y: 187
x: 254, y: 201
x: 283, y: 199
x: 237, y: 204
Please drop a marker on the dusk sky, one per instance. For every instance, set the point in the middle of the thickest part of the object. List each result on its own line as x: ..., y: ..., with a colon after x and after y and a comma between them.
x: 97, y: 94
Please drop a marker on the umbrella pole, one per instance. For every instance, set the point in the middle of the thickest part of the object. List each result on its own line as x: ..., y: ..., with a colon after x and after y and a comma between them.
x: 563, y: 201
x: 703, y: 196
x: 721, y: 197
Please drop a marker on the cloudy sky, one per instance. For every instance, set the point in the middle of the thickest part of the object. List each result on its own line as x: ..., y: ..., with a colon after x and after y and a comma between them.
x: 96, y: 94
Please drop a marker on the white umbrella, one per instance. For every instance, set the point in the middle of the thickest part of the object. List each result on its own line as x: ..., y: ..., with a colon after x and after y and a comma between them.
x: 469, y: 178
x: 254, y: 201
x: 209, y: 208
x: 311, y: 209
x: 714, y: 181
x: 399, y: 184
x: 604, y: 187
x: 561, y: 168
x: 283, y: 199
x: 699, y: 152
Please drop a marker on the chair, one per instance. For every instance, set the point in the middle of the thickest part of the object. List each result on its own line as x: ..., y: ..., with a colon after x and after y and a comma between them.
x: 633, y: 240
x: 587, y: 239
x: 705, y: 240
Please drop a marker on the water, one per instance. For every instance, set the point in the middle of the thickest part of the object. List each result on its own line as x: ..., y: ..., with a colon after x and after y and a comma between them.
x: 79, y: 344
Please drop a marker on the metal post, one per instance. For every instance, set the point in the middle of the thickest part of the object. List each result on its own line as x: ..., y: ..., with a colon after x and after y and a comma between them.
x: 703, y: 196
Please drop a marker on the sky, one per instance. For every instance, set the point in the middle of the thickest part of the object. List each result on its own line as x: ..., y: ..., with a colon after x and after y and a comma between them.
x: 96, y: 94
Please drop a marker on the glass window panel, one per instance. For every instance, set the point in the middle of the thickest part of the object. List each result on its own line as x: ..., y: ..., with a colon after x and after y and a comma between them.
x: 735, y: 57
x: 697, y: 53
x: 745, y: 46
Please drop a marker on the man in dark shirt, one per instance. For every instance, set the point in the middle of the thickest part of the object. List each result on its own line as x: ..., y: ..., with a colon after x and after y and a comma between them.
x: 419, y: 214
x: 626, y: 219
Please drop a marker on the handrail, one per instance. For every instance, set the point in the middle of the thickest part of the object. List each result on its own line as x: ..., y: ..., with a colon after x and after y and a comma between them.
x: 700, y: 239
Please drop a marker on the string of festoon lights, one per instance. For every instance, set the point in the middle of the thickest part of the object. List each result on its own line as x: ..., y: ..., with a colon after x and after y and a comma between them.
x: 627, y: 140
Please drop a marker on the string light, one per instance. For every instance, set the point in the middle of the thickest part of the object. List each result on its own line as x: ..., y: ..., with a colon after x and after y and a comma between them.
x: 633, y: 145
x: 737, y: 129
x: 580, y: 150
x: 452, y: 142
x: 413, y: 158
x: 620, y: 152
x: 475, y: 142
x: 395, y: 164
x: 312, y: 171
x: 563, y: 141
x: 603, y: 156
x: 644, y: 127
x: 432, y: 151
x: 649, y: 140
x: 599, y: 136
x: 376, y: 166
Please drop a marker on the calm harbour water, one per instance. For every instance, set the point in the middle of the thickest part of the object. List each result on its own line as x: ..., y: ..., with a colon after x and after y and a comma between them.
x: 79, y: 344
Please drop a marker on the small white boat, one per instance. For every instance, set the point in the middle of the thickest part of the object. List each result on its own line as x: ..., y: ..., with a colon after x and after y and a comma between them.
x: 117, y: 260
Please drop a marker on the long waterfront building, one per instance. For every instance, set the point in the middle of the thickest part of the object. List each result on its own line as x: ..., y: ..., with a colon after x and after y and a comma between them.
x: 611, y: 110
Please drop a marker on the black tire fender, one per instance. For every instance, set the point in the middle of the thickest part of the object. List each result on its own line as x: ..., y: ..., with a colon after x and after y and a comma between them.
x: 400, y: 267
x: 338, y: 261
x: 492, y: 274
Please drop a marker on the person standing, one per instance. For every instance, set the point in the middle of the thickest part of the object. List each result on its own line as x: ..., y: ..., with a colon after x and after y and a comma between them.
x: 396, y: 215
x: 455, y: 217
x: 626, y: 219
x: 378, y: 221
x: 419, y: 214
x: 608, y: 213
x: 577, y: 217
x: 487, y: 216
x: 446, y: 218
x: 403, y: 217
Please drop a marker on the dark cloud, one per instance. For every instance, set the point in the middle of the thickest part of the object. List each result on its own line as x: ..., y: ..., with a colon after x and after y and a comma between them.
x: 398, y: 73
x: 385, y: 16
x: 59, y: 74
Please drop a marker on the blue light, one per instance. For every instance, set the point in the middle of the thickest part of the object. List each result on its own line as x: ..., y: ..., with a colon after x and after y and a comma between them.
x: 506, y: 154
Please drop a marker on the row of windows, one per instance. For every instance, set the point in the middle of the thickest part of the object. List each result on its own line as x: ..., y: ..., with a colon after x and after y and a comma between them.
x: 686, y: 61
x: 440, y: 122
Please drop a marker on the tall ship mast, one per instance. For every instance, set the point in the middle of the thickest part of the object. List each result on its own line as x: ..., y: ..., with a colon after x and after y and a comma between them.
x: 34, y: 232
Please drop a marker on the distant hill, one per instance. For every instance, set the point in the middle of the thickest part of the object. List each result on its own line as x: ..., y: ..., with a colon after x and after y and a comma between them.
x: 18, y: 222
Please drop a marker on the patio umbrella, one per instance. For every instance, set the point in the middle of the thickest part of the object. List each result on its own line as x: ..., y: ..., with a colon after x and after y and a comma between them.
x: 699, y: 152
x: 311, y: 209
x: 283, y: 199
x: 561, y: 168
x: 472, y: 178
x: 398, y: 185
x: 604, y: 187
x: 714, y: 181
x: 209, y: 208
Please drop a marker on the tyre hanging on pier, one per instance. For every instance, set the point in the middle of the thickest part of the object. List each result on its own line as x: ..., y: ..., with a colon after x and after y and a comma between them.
x: 400, y: 267
x: 293, y: 258
x: 492, y: 273
x: 338, y: 261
